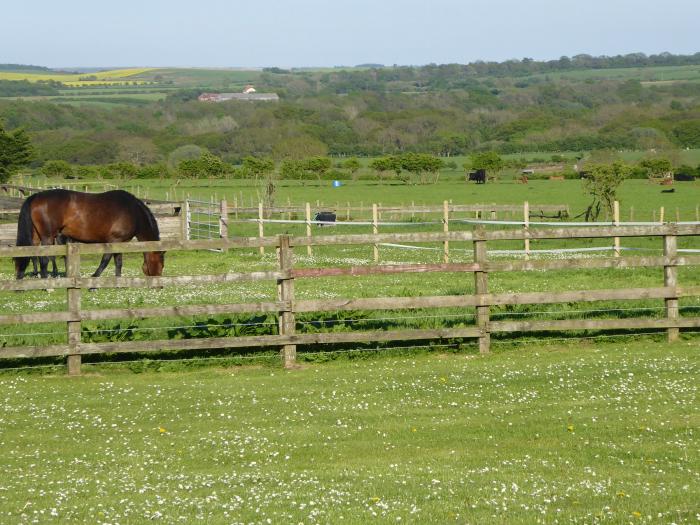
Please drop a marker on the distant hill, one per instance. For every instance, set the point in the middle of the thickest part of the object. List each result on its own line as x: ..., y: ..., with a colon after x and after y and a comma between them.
x: 22, y: 67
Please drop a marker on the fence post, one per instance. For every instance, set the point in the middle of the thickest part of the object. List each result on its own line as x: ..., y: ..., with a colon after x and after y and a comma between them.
x: 223, y: 221
x: 671, y: 280
x: 185, y: 220
x: 375, y: 230
x: 526, y: 228
x: 616, y: 222
x: 307, y: 208
x: 481, y: 280
x: 261, y: 228
x: 285, y: 293
x: 446, y: 229
x: 661, y: 215
x: 73, y: 271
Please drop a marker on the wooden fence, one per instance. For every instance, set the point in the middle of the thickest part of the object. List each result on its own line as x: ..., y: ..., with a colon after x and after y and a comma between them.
x: 287, y: 305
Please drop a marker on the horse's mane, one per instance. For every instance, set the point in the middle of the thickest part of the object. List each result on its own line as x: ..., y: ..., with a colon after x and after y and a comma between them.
x: 148, y: 215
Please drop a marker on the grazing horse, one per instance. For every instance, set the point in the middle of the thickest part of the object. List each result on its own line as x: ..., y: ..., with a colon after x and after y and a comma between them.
x: 113, y: 216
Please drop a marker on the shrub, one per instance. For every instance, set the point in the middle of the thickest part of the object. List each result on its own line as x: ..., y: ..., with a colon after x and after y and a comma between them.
x: 57, y: 168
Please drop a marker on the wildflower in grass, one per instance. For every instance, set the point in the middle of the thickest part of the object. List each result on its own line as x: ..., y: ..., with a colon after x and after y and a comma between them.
x: 570, y: 427
x: 620, y: 494
x: 637, y: 514
x: 162, y: 430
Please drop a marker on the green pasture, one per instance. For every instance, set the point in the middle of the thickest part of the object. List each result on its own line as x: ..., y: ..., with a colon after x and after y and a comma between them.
x: 597, y: 433
x: 644, y: 197
x: 200, y: 77
x: 643, y: 74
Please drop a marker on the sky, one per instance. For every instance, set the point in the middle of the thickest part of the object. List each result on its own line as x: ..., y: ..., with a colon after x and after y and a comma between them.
x: 298, y: 33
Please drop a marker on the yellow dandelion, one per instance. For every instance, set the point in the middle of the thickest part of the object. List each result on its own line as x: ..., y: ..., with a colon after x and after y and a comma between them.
x: 570, y: 427
x: 414, y: 429
x: 637, y: 514
x: 375, y: 499
x: 620, y: 494
x: 162, y: 430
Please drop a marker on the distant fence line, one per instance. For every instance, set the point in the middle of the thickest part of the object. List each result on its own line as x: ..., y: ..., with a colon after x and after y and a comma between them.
x: 288, y: 305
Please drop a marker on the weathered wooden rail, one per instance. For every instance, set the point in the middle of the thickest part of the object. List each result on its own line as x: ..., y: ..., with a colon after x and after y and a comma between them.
x: 287, y: 305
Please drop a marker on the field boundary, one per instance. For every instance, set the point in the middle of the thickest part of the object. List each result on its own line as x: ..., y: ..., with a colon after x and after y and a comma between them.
x: 287, y: 305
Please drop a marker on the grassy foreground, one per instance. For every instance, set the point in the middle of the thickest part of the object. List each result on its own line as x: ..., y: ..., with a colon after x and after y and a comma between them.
x: 599, y: 433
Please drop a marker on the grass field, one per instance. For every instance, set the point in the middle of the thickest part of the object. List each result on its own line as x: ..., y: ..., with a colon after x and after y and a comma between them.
x: 642, y: 195
x: 600, y: 433
x: 648, y: 75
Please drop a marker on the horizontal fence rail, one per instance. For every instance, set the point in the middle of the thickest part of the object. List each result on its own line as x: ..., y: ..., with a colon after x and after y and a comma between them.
x: 288, y: 305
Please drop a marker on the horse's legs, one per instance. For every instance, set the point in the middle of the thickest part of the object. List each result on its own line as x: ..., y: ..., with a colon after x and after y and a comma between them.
x: 54, y: 271
x: 44, y: 260
x: 118, y: 264
x: 103, y: 264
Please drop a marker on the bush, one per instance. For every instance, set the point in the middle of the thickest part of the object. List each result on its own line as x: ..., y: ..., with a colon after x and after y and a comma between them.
x: 57, y: 168
x: 153, y: 171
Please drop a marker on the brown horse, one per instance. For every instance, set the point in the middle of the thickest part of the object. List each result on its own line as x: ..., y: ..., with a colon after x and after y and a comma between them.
x: 113, y: 216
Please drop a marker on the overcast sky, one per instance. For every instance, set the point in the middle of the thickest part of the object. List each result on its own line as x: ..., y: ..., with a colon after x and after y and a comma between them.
x: 258, y: 33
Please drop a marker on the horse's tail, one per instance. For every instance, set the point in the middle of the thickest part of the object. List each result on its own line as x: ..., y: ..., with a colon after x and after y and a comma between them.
x: 25, y: 229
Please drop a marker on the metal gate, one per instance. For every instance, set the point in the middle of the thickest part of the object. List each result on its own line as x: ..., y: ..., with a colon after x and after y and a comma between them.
x: 204, y: 220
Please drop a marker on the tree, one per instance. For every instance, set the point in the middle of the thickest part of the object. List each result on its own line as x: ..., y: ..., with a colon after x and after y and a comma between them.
x: 57, y: 168
x: 258, y: 167
x: 383, y: 164
x: 292, y: 169
x: 318, y: 165
x: 602, y: 182
x: 656, y: 167
x: 419, y: 163
x: 15, y: 152
x: 353, y: 166
x: 488, y: 160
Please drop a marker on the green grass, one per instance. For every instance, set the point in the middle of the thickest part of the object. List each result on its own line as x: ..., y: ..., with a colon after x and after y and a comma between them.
x: 644, y: 74
x: 599, y: 433
x: 205, y: 78
x: 644, y: 197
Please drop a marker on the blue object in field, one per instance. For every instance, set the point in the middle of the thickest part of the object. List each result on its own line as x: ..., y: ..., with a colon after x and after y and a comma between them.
x: 337, y: 184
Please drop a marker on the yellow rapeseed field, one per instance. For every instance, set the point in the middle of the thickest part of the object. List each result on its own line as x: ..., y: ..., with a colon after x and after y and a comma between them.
x: 113, y: 76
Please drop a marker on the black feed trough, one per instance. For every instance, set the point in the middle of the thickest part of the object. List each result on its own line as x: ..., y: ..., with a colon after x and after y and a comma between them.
x: 325, y: 216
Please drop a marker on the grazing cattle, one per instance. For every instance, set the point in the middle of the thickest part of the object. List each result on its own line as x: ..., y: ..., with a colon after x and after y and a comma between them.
x: 325, y: 216
x: 683, y: 177
x: 478, y: 176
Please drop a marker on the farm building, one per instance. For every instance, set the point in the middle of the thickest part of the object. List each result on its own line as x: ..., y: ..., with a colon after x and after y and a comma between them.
x: 248, y: 93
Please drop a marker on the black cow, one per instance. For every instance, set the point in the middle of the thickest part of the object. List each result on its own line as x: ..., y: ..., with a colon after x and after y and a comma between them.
x: 683, y: 177
x: 325, y: 216
x: 478, y: 176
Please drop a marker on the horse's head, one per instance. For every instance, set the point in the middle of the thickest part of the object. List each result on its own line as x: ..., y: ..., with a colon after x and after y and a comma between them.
x: 153, y: 263
x: 21, y: 264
